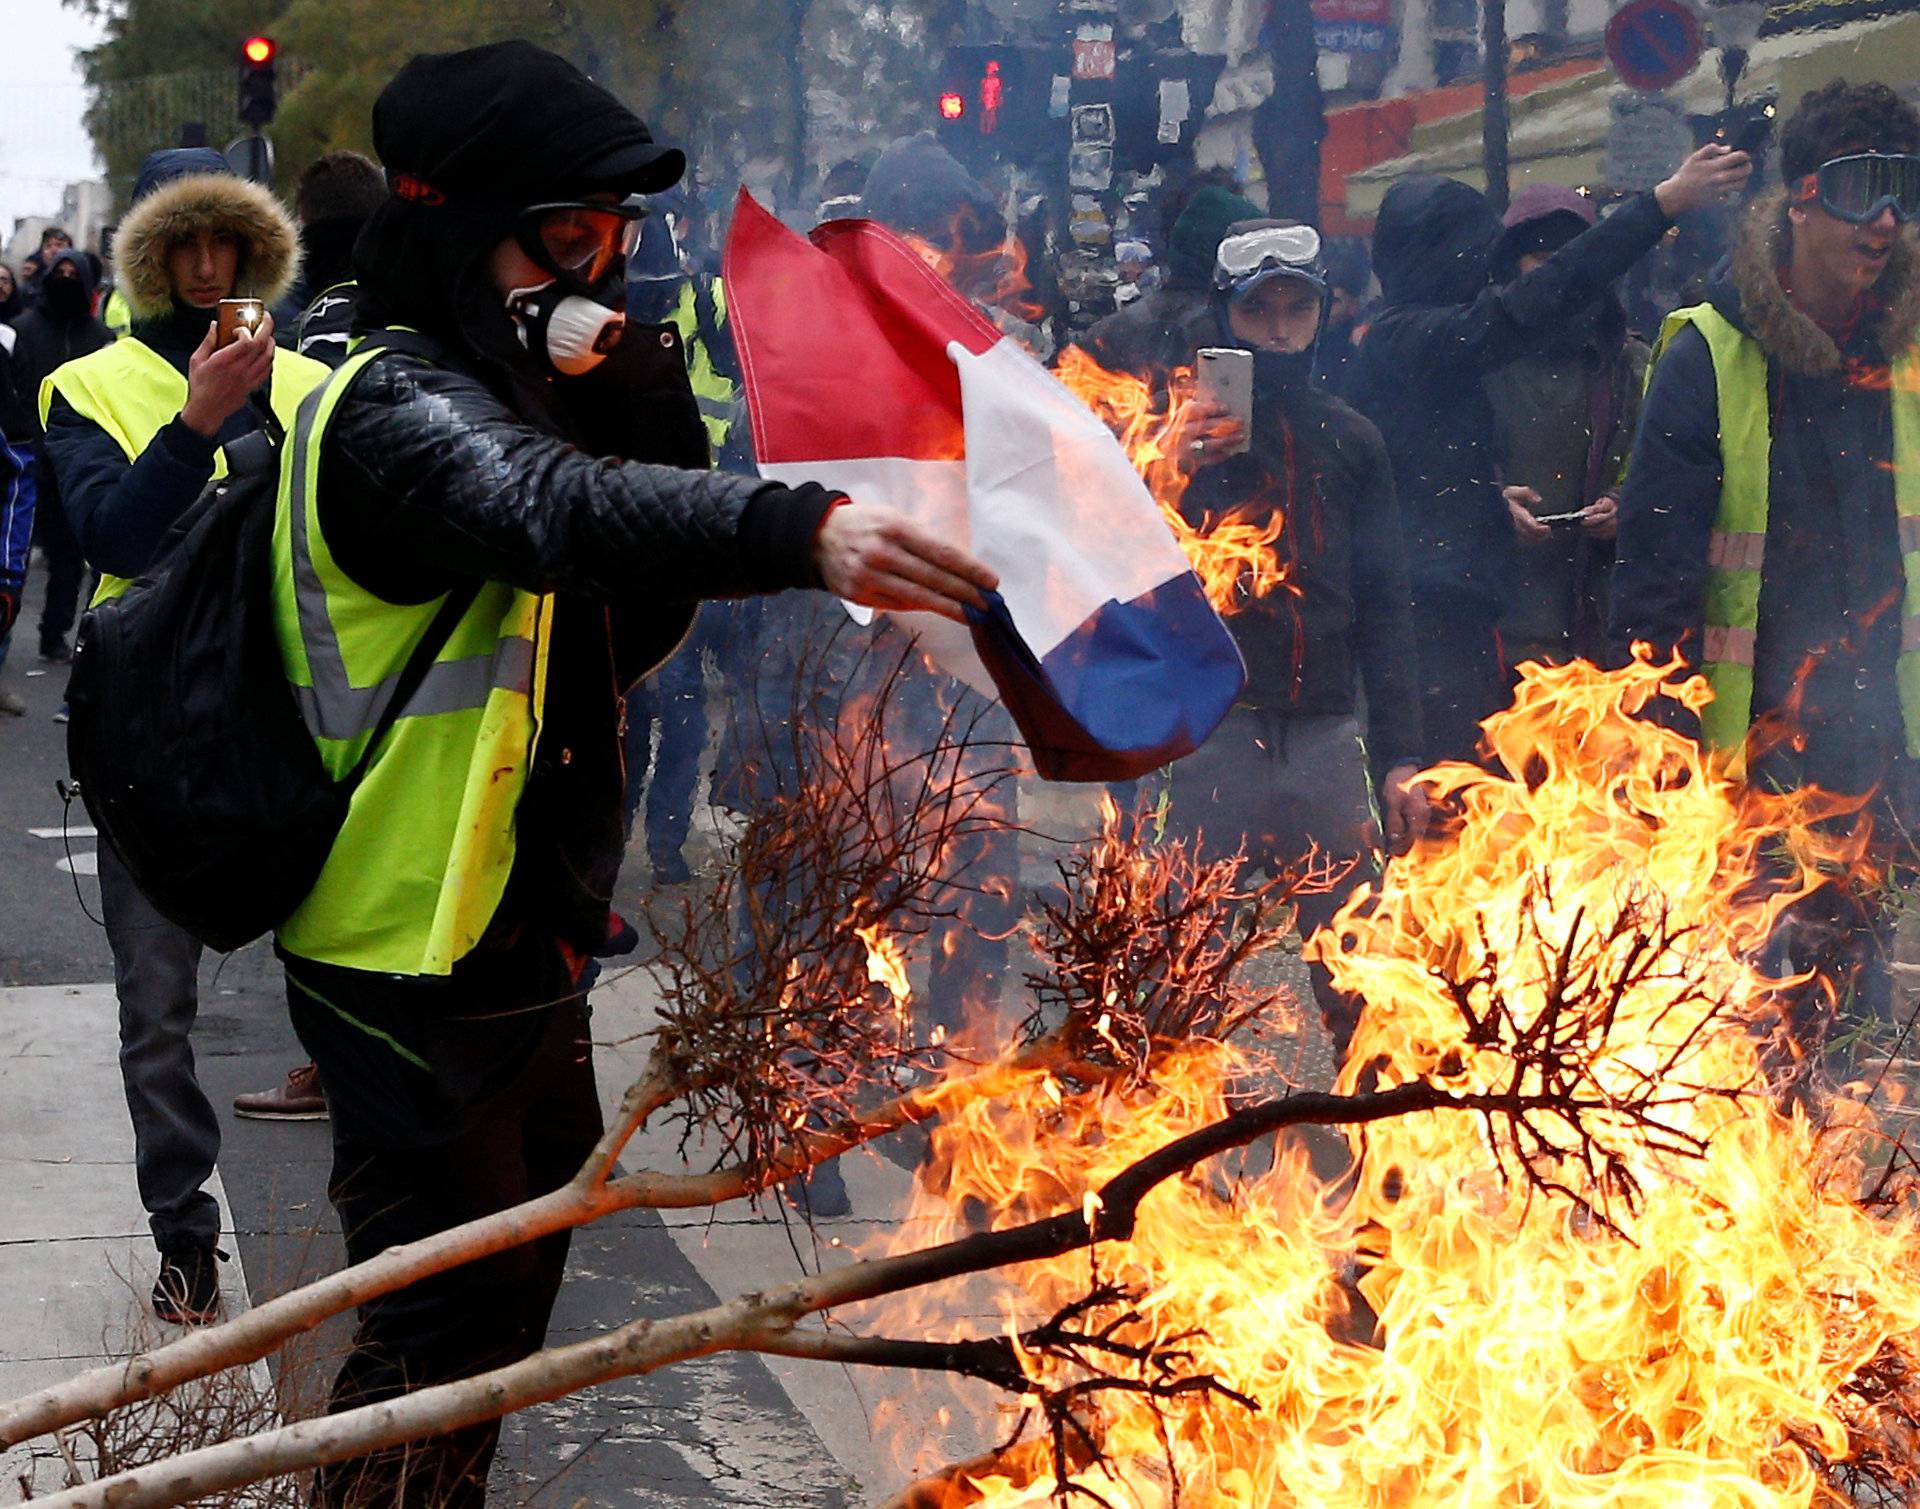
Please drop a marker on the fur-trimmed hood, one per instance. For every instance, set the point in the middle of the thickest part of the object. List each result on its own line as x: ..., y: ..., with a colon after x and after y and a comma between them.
x: 1791, y: 338
x: 270, y: 246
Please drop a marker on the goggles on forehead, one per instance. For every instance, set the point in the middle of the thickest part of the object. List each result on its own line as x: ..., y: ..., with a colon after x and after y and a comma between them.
x: 1272, y: 248
x: 580, y: 240
x: 1858, y: 187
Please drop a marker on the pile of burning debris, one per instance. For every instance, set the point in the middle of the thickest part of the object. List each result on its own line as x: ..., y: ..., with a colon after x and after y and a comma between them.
x: 1583, y: 1250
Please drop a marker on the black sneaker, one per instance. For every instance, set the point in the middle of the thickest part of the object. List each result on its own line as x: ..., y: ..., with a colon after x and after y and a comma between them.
x: 187, y: 1293
x: 54, y: 649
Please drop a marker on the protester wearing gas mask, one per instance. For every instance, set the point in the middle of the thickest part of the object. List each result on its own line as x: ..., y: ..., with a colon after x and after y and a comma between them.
x: 1288, y: 771
x: 445, y: 487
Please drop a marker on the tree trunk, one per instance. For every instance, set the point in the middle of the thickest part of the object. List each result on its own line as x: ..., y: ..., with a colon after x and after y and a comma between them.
x: 1289, y: 127
x: 1493, y: 114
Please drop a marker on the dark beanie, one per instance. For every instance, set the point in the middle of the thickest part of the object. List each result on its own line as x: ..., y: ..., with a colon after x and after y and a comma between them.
x: 1198, y: 232
x: 469, y: 139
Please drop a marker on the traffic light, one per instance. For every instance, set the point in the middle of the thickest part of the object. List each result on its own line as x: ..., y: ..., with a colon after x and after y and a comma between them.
x: 257, y: 98
x: 993, y: 102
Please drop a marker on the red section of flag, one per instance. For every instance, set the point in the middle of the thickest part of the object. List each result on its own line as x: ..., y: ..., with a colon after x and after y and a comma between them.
x: 856, y: 314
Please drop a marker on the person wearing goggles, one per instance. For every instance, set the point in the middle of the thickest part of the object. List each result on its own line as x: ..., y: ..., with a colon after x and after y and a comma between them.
x: 581, y: 240
x: 1761, y: 537
x: 1288, y: 772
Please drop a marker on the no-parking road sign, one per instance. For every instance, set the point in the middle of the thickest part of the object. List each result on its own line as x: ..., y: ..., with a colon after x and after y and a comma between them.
x: 1654, y: 43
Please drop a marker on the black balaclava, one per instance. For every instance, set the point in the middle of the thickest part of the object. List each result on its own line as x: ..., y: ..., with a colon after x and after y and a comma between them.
x: 469, y: 140
x: 69, y: 300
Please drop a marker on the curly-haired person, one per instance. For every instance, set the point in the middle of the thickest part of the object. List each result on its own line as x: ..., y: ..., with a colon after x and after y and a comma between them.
x: 1770, y: 524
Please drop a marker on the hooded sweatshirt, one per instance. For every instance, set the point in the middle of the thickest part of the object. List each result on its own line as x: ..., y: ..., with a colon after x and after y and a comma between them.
x: 1830, y: 590
x: 1564, y: 418
x: 918, y: 186
x: 57, y: 328
x: 121, y: 511
x: 1440, y: 330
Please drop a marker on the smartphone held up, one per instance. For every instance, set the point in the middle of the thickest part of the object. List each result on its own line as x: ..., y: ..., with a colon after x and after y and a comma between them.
x: 236, y: 315
x: 1224, y: 374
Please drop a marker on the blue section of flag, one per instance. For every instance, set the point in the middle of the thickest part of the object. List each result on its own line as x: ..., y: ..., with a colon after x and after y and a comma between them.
x: 1102, y: 706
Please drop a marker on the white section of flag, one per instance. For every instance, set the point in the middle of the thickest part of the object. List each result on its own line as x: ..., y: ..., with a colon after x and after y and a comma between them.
x: 1057, y: 508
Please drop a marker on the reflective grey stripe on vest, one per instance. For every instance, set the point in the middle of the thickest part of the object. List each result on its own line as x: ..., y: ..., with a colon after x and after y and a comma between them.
x: 1909, y: 533
x: 715, y: 408
x: 1733, y: 550
x: 333, y: 707
x: 1729, y: 646
x: 1910, y: 633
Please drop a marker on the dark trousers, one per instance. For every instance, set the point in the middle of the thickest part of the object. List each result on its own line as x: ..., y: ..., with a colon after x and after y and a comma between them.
x: 65, y: 568
x: 176, y: 1135
x: 1281, y: 786
x: 674, y: 700
x: 1462, y: 680
x: 480, y: 1097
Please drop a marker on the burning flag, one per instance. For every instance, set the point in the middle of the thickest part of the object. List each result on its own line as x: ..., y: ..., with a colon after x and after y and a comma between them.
x: 865, y: 372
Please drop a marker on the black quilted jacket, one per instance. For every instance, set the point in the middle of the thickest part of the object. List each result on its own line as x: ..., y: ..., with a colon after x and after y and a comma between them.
x: 429, y: 477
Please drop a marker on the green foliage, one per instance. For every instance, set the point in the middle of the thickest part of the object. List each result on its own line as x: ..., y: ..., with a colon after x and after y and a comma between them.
x: 717, y: 76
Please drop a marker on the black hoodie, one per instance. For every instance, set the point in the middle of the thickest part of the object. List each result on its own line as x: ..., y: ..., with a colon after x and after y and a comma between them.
x: 48, y: 336
x: 1439, y: 331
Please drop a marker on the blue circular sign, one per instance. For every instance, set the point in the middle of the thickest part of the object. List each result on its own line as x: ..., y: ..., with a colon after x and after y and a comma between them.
x: 1654, y: 43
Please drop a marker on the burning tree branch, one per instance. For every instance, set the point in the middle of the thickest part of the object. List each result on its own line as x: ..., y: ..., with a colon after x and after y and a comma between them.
x: 767, y: 1322
x: 1573, y: 1204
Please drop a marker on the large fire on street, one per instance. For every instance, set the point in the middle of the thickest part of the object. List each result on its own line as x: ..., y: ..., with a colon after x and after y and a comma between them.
x: 1672, y: 1287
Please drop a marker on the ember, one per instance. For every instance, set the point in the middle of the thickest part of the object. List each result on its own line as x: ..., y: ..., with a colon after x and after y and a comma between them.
x: 1235, y: 555
x: 1677, y: 1293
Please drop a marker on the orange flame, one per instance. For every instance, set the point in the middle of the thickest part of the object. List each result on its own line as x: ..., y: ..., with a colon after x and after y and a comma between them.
x: 1234, y: 556
x: 886, y: 964
x: 995, y: 277
x: 1525, y: 1354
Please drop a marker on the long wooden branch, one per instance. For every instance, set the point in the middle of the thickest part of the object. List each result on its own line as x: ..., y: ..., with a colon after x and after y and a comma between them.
x: 762, y: 1321
x: 589, y: 1196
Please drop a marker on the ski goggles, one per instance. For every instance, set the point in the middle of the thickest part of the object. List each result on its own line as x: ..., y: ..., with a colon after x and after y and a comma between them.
x: 578, y: 239
x: 1242, y: 260
x: 1858, y: 187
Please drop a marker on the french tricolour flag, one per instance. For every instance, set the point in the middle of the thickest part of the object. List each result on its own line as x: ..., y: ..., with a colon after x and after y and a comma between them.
x: 865, y: 372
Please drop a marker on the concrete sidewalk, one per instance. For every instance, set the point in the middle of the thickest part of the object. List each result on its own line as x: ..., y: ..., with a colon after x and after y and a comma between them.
x: 76, y: 1264
x: 76, y: 1259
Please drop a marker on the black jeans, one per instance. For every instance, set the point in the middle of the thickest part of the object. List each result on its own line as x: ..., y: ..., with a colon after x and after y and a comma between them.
x: 65, y: 568
x: 1462, y: 680
x: 479, y: 1095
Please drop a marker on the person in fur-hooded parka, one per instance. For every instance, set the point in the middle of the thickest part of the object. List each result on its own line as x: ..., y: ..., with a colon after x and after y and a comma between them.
x: 1828, y: 631
x: 134, y: 431
x: 171, y: 207
x: 120, y: 505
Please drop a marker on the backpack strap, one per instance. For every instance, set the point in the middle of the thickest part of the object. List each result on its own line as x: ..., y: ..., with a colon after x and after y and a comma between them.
x: 453, y: 608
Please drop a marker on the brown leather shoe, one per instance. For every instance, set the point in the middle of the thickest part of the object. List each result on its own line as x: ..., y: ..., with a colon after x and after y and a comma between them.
x: 299, y: 1099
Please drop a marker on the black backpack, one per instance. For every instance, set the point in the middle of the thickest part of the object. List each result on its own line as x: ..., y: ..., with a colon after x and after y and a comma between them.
x: 186, y: 742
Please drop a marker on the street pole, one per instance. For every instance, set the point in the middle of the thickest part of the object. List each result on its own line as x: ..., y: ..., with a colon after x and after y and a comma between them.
x: 1289, y: 127
x: 797, y: 185
x: 1493, y: 113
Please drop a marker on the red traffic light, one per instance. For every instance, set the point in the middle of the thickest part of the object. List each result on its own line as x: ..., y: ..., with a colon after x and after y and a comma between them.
x: 258, y: 50
x: 952, y: 106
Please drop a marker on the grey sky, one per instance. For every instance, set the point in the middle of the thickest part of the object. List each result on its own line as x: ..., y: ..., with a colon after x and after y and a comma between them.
x: 43, y: 144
